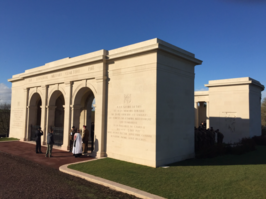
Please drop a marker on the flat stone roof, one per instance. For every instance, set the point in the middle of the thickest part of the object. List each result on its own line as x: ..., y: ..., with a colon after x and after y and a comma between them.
x: 234, y: 81
x: 201, y: 93
x: 145, y: 46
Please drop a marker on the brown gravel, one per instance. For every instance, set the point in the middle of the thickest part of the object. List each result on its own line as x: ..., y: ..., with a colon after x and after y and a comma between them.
x: 21, y: 178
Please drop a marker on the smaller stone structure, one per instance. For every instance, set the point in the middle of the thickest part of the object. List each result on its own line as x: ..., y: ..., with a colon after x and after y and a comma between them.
x: 231, y: 105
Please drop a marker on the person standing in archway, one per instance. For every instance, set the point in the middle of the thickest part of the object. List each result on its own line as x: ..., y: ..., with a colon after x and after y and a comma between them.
x: 71, y: 138
x: 77, y: 147
x: 38, y: 134
x: 85, y: 139
x: 92, y: 136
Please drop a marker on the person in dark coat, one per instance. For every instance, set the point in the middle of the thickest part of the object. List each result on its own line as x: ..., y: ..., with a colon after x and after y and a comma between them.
x: 38, y: 134
x: 85, y: 139
x: 71, y: 138
x: 50, y: 143
x: 92, y: 136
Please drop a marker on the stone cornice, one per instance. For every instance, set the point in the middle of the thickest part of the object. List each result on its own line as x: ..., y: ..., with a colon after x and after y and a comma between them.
x: 58, y: 67
x: 238, y: 81
x: 201, y: 93
x: 132, y: 51
x: 103, y: 55
x: 157, y: 46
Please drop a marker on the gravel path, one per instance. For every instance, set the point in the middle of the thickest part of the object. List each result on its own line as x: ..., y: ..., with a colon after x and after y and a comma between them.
x: 21, y: 178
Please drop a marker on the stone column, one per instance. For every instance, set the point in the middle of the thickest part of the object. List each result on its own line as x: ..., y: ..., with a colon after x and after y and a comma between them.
x: 75, y: 115
x: 43, y: 113
x: 89, y: 110
x: 32, y: 115
x: 196, y: 114
x: 26, y: 112
x: 100, y: 117
x: 50, y: 117
x: 67, y: 115
x: 207, y: 115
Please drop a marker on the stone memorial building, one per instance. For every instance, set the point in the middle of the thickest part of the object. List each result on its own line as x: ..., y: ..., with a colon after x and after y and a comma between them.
x: 144, y: 102
x: 232, y: 106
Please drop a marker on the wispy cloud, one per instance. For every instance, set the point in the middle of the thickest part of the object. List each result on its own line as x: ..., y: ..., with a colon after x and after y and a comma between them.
x: 5, y: 94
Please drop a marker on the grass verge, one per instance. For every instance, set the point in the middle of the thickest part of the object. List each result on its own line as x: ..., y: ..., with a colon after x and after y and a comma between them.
x: 8, y: 139
x: 228, y: 176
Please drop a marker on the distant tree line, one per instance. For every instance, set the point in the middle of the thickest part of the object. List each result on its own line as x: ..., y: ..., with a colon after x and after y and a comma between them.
x: 4, y: 120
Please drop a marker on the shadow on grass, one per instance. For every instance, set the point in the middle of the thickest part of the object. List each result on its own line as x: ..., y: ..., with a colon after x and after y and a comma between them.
x: 257, y: 156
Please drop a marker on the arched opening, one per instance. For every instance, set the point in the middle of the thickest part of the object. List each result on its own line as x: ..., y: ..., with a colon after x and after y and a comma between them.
x: 34, y: 114
x: 56, y: 116
x: 202, y: 114
x: 84, y: 113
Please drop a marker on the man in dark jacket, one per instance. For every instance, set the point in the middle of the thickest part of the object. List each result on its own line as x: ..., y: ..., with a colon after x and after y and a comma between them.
x: 38, y: 134
x: 85, y: 139
x: 71, y: 138
x: 50, y: 143
x: 92, y: 136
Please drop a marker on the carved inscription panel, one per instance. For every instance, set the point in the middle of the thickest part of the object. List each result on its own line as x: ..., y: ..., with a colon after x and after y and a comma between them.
x: 82, y: 70
x: 129, y: 122
x: 17, y: 118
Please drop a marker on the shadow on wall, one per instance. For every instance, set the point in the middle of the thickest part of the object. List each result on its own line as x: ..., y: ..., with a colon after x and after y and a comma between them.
x: 232, y: 127
x: 96, y: 147
x: 235, y: 128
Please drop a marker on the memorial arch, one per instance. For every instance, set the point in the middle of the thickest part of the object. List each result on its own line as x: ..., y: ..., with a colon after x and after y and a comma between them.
x: 146, y: 108
x: 83, y: 112
x: 56, y: 114
x: 34, y: 110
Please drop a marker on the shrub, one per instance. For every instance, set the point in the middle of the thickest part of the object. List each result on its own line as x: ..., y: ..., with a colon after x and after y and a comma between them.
x: 263, y: 130
x: 204, y: 139
x: 243, y: 146
x: 211, y: 151
x: 259, y: 140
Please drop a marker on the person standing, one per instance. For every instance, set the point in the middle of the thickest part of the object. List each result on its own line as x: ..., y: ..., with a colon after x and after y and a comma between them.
x: 92, y: 136
x: 85, y: 139
x: 77, y: 147
x: 50, y: 143
x: 71, y: 138
x: 38, y: 134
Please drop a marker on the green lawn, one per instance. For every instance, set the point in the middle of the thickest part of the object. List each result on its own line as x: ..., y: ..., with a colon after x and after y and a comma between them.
x: 7, y: 139
x: 229, y: 176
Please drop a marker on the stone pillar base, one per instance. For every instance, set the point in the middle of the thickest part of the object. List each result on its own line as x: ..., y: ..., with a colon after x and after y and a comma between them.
x: 64, y: 147
x: 100, y: 155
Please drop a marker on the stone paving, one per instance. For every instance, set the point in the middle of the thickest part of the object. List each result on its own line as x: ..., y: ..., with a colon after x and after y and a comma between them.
x: 27, y: 151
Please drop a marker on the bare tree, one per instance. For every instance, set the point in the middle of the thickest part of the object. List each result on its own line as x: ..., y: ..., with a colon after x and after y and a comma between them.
x: 4, y: 119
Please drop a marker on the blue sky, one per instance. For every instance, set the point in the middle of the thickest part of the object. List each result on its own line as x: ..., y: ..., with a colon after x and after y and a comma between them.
x: 228, y: 35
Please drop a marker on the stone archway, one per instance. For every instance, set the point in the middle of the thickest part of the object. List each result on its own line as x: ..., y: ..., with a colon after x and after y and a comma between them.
x: 35, y: 110
x: 201, y: 114
x: 84, y: 112
x: 56, y: 116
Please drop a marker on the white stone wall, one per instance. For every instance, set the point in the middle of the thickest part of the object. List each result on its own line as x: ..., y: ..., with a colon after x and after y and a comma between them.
x: 255, y: 110
x: 175, y: 112
x: 131, y: 125
x: 234, y: 107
